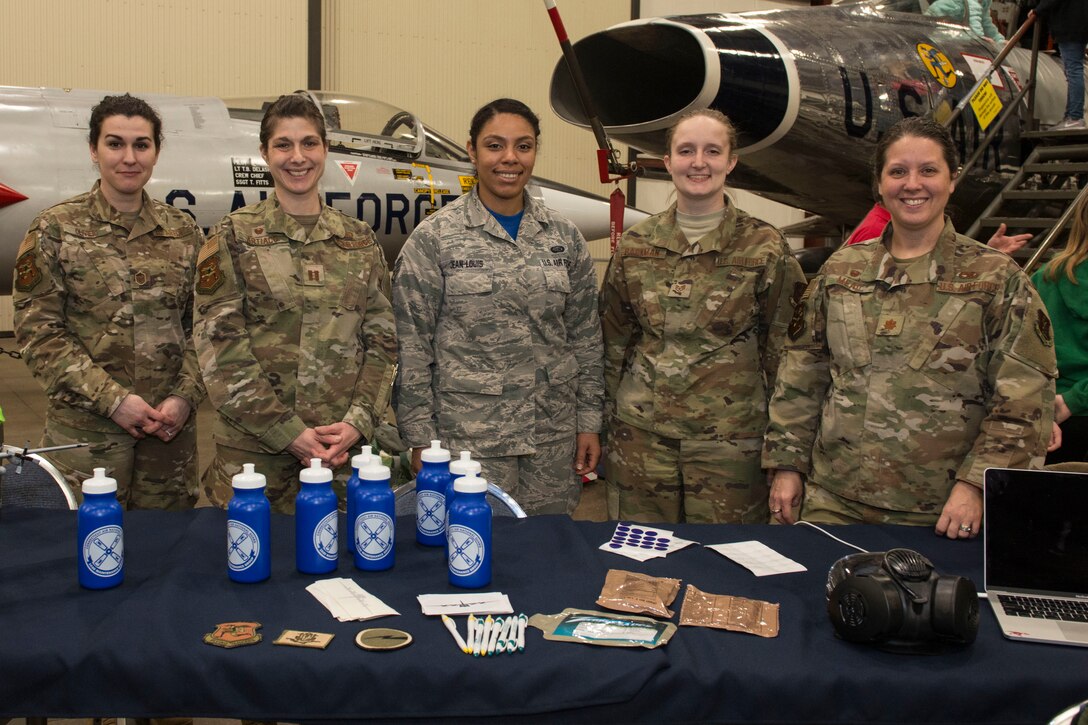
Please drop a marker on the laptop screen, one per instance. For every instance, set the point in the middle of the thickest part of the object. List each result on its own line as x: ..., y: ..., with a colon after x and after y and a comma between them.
x: 1036, y: 531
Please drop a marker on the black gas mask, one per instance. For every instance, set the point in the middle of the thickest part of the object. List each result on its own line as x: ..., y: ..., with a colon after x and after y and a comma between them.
x: 897, y: 601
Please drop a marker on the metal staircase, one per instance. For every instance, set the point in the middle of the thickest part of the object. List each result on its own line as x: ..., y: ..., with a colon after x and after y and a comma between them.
x: 1039, y: 193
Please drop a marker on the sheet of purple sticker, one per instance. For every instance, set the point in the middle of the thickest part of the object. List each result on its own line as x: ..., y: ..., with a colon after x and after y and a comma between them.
x: 642, y: 542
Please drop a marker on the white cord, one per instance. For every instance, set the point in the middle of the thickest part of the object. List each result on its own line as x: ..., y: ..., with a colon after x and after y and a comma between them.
x: 827, y: 533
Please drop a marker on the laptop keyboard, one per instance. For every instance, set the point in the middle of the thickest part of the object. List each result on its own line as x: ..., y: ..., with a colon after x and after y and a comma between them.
x: 1068, y: 610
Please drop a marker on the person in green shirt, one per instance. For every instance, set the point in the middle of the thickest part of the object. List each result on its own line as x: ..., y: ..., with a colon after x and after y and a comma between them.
x: 1063, y: 285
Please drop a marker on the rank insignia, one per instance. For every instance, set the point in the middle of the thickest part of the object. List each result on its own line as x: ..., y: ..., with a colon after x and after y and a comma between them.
x: 681, y: 289
x: 1043, y: 329
x: 890, y: 325
x: 27, y: 274
x: 312, y: 640
x: 234, y: 634
x: 209, y: 275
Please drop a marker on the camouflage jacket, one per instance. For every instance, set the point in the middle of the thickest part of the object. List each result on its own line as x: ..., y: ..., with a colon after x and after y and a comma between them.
x: 293, y: 332
x: 101, y: 312
x: 692, y: 342
x: 900, y: 379
x: 500, y: 345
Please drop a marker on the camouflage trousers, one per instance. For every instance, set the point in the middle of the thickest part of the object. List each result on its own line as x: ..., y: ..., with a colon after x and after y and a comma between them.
x: 654, y: 479
x: 279, y: 469
x: 543, y: 482
x: 150, y: 473
x: 821, y: 506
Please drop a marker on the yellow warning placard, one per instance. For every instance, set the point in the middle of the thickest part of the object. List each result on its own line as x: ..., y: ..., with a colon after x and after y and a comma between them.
x: 938, y: 64
x: 985, y: 104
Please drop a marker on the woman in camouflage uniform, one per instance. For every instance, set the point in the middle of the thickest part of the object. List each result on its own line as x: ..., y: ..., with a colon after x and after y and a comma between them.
x: 293, y: 322
x: 103, y: 311
x: 694, y: 309
x: 500, y: 345
x: 915, y: 361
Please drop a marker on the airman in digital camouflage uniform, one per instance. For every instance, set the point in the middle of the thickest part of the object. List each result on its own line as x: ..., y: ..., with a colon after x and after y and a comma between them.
x: 500, y: 347
x: 294, y: 327
x: 103, y: 312
x: 693, y: 325
x: 906, y: 376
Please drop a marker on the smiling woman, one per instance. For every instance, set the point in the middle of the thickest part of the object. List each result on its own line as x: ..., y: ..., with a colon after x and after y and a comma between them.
x: 294, y: 327
x: 915, y: 361
x: 103, y: 311
x: 500, y: 345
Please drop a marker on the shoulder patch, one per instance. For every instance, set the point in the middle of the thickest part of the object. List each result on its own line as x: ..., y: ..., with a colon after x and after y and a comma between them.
x: 27, y: 274
x: 796, y: 327
x: 1043, y: 329
x: 28, y: 244
x: 209, y: 276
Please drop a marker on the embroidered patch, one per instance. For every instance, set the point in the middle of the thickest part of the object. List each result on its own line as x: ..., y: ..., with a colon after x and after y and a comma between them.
x: 797, y: 322
x: 27, y: 274
x: 1043, y: 329
x: 643, y: 252
x: 680, y: 289
x: 209, y: 275
x: 234, y: 634
x: 313, y: 274
x: 798, y: 293
x: 890, y: 325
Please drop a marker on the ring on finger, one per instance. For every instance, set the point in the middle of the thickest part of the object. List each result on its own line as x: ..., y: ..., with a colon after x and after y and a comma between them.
x: 965, y: 528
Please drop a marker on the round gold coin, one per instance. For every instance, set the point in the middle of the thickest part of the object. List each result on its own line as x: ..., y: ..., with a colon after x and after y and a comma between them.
x: 382, y: 638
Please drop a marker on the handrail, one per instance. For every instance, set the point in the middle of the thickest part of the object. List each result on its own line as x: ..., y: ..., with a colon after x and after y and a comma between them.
x: 1009, y: 45
x: 1048, y: 240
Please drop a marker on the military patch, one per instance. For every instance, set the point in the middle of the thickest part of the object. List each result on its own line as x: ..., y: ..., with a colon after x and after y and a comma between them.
x: 354, y: 242
x: 798, y: 293
x: 27, y: 274
x: 234, y: 634
x: 741, y: 262
x: 967, y: 275
x: 643, y: 252
x: 311, y: 640
x: 959, y: 288
x: 382, y: 638
x: 680, y: 289
x: 797, y: 322
x: 890, y: 325
x: 313, y: 275
x: 209, y: 275
x: 558, y: 249
x: 1043, y: 329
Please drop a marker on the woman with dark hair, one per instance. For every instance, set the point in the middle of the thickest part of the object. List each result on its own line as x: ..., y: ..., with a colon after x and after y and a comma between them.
x: 1063, y: 285
x: 293, y: 324
x: 103, y: 312
x: 915, y: 361
x: 500, y: 344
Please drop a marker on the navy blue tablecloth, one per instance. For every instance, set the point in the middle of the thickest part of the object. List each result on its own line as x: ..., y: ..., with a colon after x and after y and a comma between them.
x: 137, y: 650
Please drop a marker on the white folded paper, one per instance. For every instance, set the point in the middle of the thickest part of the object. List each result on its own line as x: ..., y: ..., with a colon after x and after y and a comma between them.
x: 453, y: 604
x: 757, y: 557
x: 347, y: 601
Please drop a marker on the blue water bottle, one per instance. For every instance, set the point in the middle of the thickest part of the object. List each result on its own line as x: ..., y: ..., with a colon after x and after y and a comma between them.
x: 431, y: 496
x: 373, y: 528
x: 469, y: 545
x: 316, y: 521
x: 101, y: 539
x: 462, y: 466
x: 357, y: 462
x: 249, y: 529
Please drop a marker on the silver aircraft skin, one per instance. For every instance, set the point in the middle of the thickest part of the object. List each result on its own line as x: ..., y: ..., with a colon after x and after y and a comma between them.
x: 384, y: 165
x: 810, y: 90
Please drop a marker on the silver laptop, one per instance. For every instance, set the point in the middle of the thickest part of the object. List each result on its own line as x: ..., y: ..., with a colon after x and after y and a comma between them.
x: 1036, y: 547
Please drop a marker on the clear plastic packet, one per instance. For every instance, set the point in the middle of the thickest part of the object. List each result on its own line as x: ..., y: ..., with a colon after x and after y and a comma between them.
x: 722, y: 611
x: 629, y: 591
x: 603, y: 628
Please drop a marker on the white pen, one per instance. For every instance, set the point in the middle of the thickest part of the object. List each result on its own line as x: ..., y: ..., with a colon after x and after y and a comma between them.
x: 452, y: 627
x: 471, y: 633
x: 512, y: 639
x: 480, y: 647
x: 495, y: 629
x: 522, y: 620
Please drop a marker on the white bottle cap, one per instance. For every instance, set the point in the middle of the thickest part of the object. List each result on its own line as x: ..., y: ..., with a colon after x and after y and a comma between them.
x: 435, y: 454
x: 464, y: 465
x: 248, y: 478
x: 101, y: 483
x: 361, y: 459
x: 374, y: 471
x: 315, y: 473
x: 470, y: 484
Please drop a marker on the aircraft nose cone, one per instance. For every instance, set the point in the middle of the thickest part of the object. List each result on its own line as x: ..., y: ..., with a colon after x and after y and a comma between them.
x: 9, y: 196
x: 642, y: 76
